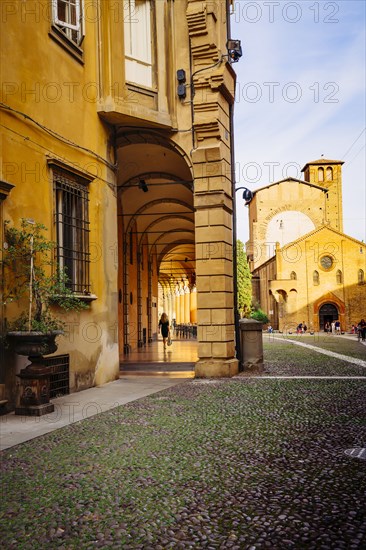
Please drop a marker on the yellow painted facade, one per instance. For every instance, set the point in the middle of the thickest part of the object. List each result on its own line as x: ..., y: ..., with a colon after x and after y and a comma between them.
x: 81, y: 96
x: 305, y: 270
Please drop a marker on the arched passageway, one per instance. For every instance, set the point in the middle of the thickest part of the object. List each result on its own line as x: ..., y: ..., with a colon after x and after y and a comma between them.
x: 156, y: 247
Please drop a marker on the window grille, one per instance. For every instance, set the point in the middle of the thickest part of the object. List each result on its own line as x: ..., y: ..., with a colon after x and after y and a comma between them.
x: 59, y: 367
x: 72, y: 225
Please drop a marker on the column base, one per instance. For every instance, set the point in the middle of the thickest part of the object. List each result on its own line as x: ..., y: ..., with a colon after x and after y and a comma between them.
x: 210, y: 368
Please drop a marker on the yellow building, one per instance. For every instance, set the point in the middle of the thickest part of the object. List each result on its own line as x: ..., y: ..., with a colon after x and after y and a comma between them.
x: 116, y: 133
x: 305, y: 269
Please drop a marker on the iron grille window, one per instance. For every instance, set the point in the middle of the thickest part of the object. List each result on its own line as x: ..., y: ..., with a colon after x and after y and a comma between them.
x: 72, y: 224
x: 59, y: 367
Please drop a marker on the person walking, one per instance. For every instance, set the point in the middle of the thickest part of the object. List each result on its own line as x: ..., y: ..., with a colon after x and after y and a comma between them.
x: 164, y: 328
x: 362, y: 329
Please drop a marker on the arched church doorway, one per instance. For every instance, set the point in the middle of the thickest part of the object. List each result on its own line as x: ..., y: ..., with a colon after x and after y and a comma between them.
x: 327, y: 313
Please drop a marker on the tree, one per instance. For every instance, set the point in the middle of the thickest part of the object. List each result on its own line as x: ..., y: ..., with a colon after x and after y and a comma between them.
x: 244, y: 284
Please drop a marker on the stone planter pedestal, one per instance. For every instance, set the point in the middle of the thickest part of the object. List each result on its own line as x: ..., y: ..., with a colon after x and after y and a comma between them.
x: 251, y: 341
x: 33, y: 391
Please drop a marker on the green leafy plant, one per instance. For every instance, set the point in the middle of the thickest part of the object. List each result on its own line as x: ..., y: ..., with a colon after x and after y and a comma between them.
x: 259, y: 315
x: 31, y: 272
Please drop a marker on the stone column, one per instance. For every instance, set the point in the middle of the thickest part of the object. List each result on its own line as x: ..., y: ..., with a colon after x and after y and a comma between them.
x: 193, y: 311
x: 187, y: 305
x: 181, y: 304
x: 177, y: 305
x: 213, y: 82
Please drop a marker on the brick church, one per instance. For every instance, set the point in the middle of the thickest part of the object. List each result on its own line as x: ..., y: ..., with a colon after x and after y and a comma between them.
x: 304, y: 268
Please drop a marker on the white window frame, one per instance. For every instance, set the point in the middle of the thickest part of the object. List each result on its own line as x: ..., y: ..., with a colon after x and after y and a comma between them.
x: 66, y: 26
x: 138, y: 26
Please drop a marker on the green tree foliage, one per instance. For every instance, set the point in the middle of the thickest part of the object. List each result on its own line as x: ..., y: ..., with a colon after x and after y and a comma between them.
x: 244, y: 278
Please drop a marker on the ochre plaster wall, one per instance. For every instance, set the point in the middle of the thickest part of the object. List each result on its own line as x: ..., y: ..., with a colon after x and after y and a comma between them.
x: 44, y: 82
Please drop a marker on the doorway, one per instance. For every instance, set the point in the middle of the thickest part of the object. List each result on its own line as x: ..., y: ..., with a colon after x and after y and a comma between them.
x: 327, y: 313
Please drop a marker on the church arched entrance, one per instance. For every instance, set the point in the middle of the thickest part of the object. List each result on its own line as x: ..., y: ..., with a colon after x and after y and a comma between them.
x: 327, y: 313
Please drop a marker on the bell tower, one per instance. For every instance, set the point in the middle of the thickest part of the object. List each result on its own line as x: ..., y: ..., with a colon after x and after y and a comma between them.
x: 328, y: 174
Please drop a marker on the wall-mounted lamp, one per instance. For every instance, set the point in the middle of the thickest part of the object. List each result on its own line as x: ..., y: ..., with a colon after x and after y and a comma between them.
x: 247, y: 194
x: 181, y: 89
x: 234, y: 50
x: 143, y: 186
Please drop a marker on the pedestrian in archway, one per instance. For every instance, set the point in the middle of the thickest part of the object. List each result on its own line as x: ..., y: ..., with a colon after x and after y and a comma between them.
x: 164, y: 328
x: 362, y: 329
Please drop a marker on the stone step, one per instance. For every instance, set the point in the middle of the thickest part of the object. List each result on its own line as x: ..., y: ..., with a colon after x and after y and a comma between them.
x: 171, y: 370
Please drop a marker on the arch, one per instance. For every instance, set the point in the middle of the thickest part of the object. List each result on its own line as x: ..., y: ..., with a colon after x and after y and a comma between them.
x: 293, y: 276
x: 153, y: 203
x: 361, y: 277
x: 292, y: 301
x: 320, y: 174
x: 329, y: 173
x: 330, y: 298
x: 162, y: 219
x: 339, y: 277
x: 168, y: 177
x: 138, y: 136
x: 316, y: 279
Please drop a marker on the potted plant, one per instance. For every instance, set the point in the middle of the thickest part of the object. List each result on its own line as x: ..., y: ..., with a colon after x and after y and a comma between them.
x: 33, y: 278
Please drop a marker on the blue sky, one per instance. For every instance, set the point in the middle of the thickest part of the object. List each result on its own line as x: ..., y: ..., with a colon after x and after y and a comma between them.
x: 300, y: 94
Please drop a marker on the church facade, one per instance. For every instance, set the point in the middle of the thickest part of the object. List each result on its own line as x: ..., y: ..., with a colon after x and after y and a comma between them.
x: 304, y: 268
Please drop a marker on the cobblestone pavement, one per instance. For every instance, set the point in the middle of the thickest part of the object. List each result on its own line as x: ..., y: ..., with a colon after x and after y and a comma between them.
x: 241, y: 463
